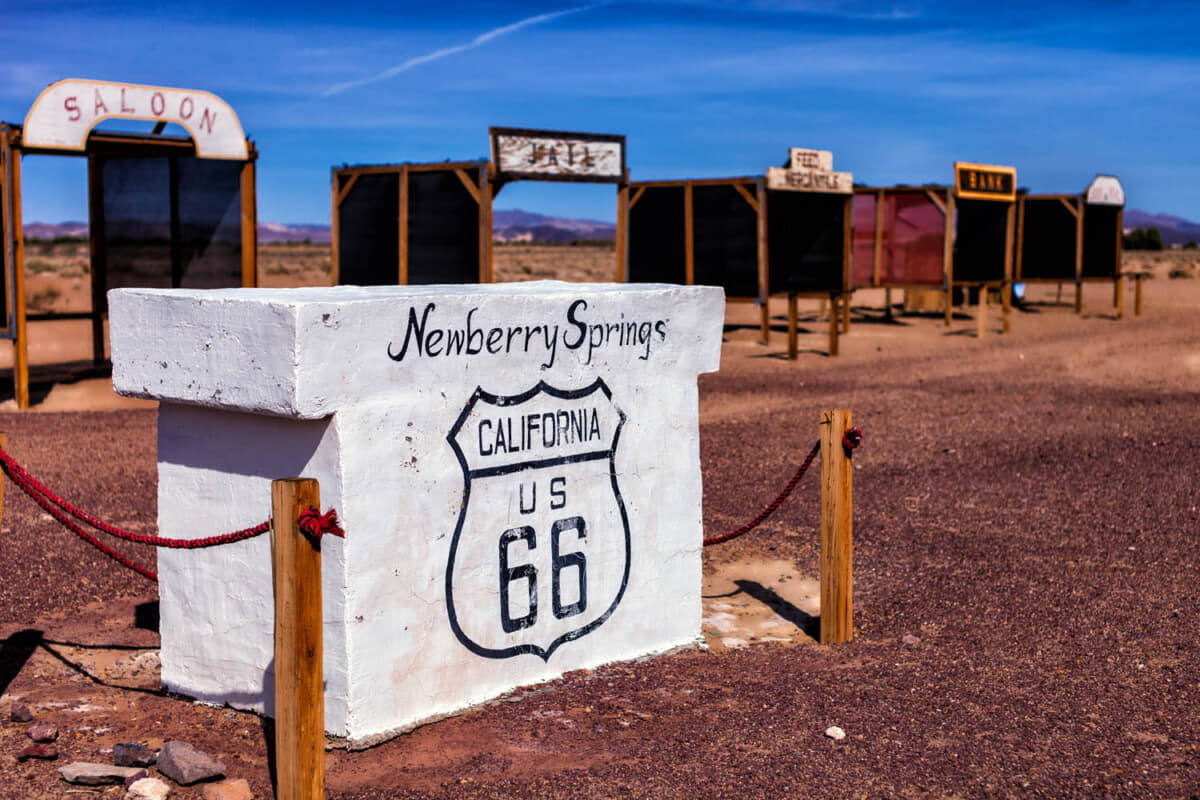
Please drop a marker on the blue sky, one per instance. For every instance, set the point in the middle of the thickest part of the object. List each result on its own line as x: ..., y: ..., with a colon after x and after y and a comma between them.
x: 897, y: 90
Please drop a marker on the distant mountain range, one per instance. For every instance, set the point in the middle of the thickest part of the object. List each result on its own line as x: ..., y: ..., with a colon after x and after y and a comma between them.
x: 523, y: 226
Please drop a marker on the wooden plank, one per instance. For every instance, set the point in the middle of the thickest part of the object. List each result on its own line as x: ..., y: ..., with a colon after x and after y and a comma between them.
x: 937, y: 201
x: 1019, y: 259
x: 335, y: 215
x: 689, y: 243
x: 622, y: 243
x: 6, y: 255
x: 467, y: 183
x: 1068, y: 205
x: 558, y: 155
x: 745, y: 193
x: 339, y: 195
x: 97, y: 254
x: 1006, y: 284
x: 764, y: 284
x: 299, y: 645
x: 249, y: 179
x: 3, y: 446
x: 887, y: 303
x: 1137, y: 294
x: 1119, y: 288
x: 793, y: 348
x: 837, y: 522
x: 981, y: 315
x: 637, y: 195
x: 483, y: 198
x: 948, y: 257
x: 21, y: 334
x: 402, y: 277
x: 833, y: 324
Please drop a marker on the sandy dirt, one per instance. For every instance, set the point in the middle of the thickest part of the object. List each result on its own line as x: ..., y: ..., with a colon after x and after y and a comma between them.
x: 1026, y: 602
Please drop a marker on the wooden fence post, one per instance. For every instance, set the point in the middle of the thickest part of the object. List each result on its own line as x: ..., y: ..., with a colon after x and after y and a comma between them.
x: 3, y: 446
x: 837, y: 581
x: 981, y: 316
x: 1137, y: 294
x: 299, y: 682
x: 793, y: 351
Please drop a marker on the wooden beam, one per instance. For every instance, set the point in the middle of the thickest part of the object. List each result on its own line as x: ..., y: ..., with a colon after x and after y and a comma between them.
x: 1068, y: 205
x: 837, y: 524
x: 937, y: 201
x: 744, y: 192
x: 20, y: 334
x: 833, y: 324
x: 97, y: 256
x: 402, y: 276
x: 948, y: 256
x: 1019, y: 258
x: 1006, y: 284
x: 1137, y: 294
x: 249, y: 180
x: 335, y: 223
x: 471, y: 188
x: 689, y: 244
x: 1119, y: 288
x: 483, y: 196
x: 637, y: 195
x: 339, y: 195
x: 622, y: 235
x: 981, y: 314
x: 793, y: 347
x: 764, y: 275
x: 299, y: 646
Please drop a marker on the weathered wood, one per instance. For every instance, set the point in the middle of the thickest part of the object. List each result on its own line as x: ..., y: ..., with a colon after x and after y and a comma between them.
x: 637, y: 196
x: 402, y: 267
x: 764, y: 319
x: 1019, y: 256
x: 745, y: 193
x: 1078, y: 295
x: 558, y: 155
x: 249, y: 197
x: 483, y: 196
x: 97, y: 256
x: 299, y: 648
x: 887, y: 304
x: 622, y: 242
x: 1137, y: 294
x: 793, y: 349
x: 689, y: 236
x: 1006, y: 284
x: 468, y: 184
x: 335, y: 225
x: 20, y: 334
x: 764, y: 281
x: 837, y: 574
x: 948, y: 257
x: 1119, y: 288
x: 834, y: 299
x: 810, y: 180
x: 981, y: 313
x: 800, y: 158
x: 3, y: 446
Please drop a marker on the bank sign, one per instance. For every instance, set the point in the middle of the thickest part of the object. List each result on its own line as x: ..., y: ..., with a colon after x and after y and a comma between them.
x: 540, y: 553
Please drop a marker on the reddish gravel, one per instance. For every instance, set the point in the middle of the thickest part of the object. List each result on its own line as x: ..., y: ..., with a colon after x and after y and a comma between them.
x: 1025, y: 507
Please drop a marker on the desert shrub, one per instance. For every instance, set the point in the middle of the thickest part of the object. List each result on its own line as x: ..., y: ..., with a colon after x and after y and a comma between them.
x: 41, y: 301
x: 1143, y: 239
x: 39, y: 265
x: 1182, y: 271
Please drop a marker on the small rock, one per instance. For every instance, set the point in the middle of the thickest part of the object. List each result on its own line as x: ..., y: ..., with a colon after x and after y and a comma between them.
x: 133, y: 754
x: 42, y: 733
x: 87, y: 773
x: 46, y: 751
x: 910, y: 640
x: 186, y: 765
x: 21, y: 714
x: 135, y: 777
x: 229, y: 790
x: 835, y: 733
x: 148, y: 789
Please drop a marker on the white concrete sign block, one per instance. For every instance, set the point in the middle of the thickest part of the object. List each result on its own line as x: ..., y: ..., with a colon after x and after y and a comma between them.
x: 1105, y: 190
x: 65, y: 113
x: 516, y: 467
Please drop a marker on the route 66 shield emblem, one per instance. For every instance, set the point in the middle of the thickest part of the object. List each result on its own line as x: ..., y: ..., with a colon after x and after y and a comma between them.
x: 540, y: 554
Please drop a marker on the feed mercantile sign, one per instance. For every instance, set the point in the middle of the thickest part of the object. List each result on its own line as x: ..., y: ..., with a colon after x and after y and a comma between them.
x: 516, y: 467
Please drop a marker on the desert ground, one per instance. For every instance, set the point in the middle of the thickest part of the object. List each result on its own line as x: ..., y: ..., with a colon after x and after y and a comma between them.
x: 1025, y: 566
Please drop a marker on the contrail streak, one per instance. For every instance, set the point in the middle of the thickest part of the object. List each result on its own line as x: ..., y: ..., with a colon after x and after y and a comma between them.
x: 481, y: 39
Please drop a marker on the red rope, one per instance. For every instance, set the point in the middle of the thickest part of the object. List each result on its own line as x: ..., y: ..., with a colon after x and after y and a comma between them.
x: 312, y: 523
x: 776, y: 503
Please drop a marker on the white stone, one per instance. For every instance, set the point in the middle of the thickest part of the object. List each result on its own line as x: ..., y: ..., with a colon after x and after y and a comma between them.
x: 835, y: 733
x: 148, y: 789
x: 259, y: 384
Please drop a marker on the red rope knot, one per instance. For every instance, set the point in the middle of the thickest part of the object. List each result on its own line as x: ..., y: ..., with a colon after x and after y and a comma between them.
x: 314, y: 524
x: 851, y: 439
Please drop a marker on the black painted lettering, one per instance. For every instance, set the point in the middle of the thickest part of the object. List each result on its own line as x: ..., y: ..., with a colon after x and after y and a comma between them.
x: 414, y: 327
x: 572, y: 319
x: 558, y: 492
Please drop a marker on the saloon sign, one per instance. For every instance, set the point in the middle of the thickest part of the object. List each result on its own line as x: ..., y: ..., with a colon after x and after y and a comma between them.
x: 540, y: 554
x: 65, y: 113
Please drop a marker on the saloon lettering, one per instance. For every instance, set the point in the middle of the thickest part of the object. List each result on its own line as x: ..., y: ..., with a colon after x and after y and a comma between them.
x: 427, y: 339
x: 114, y: 101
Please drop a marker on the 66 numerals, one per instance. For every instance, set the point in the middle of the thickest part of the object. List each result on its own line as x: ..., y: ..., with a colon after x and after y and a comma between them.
x: 568, y: 566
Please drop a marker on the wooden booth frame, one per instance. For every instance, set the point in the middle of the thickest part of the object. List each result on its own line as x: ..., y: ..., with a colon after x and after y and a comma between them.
x: 757, y: 200
x: 943, y: 198
x: 480, y: 191
x: 987, y: 183
x: 617, y: 173
x: 59, y: 124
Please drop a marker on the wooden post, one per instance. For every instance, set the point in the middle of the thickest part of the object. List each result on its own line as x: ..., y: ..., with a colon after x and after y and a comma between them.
x: 837, y: 576
x: 834, y: 299
x: 1137, y: 294
x: 847, y: 250
x: 3, y: 446
x: 1120, y: 290
x: 402, y: 267
x: 846, y: 312
x: 1005, y: 291
x: 821, y: 309
x: 689, y: 236
x: 299, y: 681
x: 765, y: 319
x: 1078, y: 295
x: 622, y: 238
x: 887, y: 304
x: 792, y: 348
x: 97, y: 256
x: 981, y: 316
x: 764, y: 274
x: 20, y: 329
x: 249, y: 197
x: 948, y: 256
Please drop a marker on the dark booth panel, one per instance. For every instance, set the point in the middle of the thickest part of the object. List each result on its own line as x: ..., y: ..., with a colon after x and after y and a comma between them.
x: 725, y: 239
x: 210, y: 222
x: 443, y: 228
x: 1048, y: 239
x: 656, y: 237
x: 805, y: 241
x: 979, y: 247
x: 369, y: 230
x: 862, y: 267
x: 1101, y: 231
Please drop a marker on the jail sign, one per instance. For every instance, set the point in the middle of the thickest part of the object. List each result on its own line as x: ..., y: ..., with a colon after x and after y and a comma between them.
x: 540, y: 554
x: 516, y: 466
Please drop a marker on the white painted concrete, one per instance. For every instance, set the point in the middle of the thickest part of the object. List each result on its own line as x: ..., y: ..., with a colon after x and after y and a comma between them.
x: 559, y: 433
